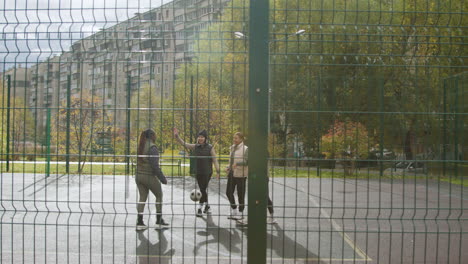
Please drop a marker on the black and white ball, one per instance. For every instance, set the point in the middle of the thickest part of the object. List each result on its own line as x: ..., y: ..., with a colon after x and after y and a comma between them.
x: 195, y: 195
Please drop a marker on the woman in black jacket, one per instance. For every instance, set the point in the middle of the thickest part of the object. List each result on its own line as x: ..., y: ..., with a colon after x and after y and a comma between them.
x: 205, y: 158
x: 149, y: 178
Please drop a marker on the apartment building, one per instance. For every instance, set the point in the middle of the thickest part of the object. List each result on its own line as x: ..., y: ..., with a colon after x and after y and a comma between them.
x: 19, y: 82
x: 145, y: 50
x: 43, y: 90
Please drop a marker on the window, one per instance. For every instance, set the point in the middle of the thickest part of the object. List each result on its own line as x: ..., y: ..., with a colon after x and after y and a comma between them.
x: 166, y: 68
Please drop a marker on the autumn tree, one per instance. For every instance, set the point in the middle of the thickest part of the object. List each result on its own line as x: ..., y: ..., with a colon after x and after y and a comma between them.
x: 21, y: 126
x: 151, y: 110
x: 85, y: 118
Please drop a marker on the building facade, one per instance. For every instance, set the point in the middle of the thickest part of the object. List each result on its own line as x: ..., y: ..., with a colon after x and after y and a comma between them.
x: 112, y: 64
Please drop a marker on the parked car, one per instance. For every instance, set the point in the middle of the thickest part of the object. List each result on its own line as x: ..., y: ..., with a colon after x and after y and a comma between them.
x: 385, y: 154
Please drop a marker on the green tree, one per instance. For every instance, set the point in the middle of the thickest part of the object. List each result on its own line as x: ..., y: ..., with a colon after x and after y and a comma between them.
x: 151, y: 111
x: 22, y: 129
x: 203, y: 106
x: 21, y: 126
x: 359, y: 60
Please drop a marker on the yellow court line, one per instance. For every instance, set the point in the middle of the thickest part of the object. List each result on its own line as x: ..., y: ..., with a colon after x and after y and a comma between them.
x: 337, y: 227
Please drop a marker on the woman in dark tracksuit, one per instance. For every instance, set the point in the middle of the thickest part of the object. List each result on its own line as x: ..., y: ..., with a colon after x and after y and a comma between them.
x: 205, y: 158
x: 149, y: 178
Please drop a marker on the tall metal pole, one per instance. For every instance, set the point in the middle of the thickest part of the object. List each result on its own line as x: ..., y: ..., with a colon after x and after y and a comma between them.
x: 258, y: 130
x: 67, y: 147
x: 48, y: 142
x: 191, y: 109
x: 8, y: 123
x: 127, y: 140
x: 191, y: 160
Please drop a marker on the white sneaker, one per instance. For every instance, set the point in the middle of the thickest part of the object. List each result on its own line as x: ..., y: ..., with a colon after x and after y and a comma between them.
x: 141, y: 227
x: 271, y: 220
x: 242, y: 222
x: 240, y: 216
x: 233, y: 214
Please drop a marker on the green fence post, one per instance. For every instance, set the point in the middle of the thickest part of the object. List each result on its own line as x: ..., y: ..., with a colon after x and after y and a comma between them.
x: 258, y: 131
x: 191, y: 159
x: 444, y: 129
x: 48, y: 142
x: 8, y: 123
x: 127, y: 140
x: 67, y: 158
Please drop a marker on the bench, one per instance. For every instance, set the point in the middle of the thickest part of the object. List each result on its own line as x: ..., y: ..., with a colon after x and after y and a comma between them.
x: 164, y: 162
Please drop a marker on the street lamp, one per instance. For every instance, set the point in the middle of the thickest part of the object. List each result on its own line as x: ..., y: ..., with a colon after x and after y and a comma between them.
x: 240, y: 35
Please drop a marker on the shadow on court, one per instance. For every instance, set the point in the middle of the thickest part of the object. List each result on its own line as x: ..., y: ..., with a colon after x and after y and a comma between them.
x: 154, y: 252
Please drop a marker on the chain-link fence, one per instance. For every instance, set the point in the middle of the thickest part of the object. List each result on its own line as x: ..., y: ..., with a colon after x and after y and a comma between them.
x: 348, y: 117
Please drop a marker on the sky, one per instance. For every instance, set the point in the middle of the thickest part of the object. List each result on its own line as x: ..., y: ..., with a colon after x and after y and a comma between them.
x: 33, y: 30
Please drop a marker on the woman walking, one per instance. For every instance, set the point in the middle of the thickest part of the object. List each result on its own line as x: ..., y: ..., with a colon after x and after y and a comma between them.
x: 237, y: 175
x: 205, y: 158
x: 149, y: 178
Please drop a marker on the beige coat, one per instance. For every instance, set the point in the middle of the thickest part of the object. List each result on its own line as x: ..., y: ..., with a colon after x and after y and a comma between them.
x: 240, y: 160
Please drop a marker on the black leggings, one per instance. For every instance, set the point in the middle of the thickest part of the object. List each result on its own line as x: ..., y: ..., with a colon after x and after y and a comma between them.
x: 203, y: 180
x: 270, y: 205
x: 231, y: 186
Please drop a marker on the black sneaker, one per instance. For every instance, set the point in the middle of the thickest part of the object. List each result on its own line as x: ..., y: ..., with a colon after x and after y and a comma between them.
x: 140, y: 226
x: 161, y: 224
x: 207, y: 210
x: 199, y: 212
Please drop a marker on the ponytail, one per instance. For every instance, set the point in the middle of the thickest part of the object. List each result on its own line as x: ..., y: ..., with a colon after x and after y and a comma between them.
x: 144, y: 136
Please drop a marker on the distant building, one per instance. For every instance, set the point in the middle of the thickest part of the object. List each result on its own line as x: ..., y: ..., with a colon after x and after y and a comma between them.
x: 19, y: 82
x: 43, y: 90
x: 116, y: 61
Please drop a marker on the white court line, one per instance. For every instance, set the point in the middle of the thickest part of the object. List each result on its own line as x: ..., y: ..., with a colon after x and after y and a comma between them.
x: 337, y: 227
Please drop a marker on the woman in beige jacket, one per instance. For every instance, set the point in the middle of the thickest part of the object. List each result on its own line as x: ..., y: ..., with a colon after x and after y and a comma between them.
x: 237, y: 175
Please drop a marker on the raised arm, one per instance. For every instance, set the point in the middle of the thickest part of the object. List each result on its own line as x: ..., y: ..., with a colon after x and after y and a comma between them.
x: 181, y: 142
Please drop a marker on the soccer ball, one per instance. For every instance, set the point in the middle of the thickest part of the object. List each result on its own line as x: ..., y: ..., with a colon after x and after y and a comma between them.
x: 195, y: 195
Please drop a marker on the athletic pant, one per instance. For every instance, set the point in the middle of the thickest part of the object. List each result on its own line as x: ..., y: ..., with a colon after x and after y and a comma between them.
x: 145, y: 184
x: 234, y: 182
x: 203, y: 180
x: 270, y: 205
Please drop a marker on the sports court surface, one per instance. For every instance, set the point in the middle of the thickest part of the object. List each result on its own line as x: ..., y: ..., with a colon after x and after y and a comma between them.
x: 84, y: 219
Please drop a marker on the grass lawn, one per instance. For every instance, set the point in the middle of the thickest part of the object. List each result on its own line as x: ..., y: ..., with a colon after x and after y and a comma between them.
x: 289, y: 172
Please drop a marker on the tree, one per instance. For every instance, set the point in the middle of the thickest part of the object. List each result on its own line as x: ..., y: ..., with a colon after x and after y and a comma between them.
x: 205, y: 107
x: 150, y: 110
x: 21, y: 126
x: 86, y: 117
x: 346, y: 140
x: 359, y: 60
